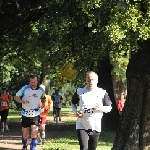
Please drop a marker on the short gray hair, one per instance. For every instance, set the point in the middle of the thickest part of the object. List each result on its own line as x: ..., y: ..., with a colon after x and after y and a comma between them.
x: 91, y: 72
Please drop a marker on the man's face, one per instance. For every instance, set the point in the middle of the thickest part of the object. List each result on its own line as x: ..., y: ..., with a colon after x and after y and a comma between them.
x: 91, y: 80
x: 56, y: 91
x: 33, y: 83
x: 4, y: 91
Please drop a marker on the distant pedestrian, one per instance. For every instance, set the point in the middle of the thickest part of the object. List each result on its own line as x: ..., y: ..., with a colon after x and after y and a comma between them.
x: 57, y: 104
x: 120, y: 103
x: 5, y: 99
x: 43, y: 117
x: 54, y: 113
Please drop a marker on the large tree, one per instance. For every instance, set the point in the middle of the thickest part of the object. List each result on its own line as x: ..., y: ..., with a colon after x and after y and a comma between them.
x: 133, y: 129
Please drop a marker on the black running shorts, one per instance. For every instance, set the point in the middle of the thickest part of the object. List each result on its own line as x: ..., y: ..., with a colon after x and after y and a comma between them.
x: 28, y: 121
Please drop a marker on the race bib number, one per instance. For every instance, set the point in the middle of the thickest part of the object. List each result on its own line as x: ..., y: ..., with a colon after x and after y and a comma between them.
x: 88, y: 110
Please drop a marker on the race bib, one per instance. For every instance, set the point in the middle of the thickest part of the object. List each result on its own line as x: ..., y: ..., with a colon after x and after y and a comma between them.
x: 3, y: 103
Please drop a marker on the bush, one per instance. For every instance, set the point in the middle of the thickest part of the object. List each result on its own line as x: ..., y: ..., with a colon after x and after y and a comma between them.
x: 13, y: 105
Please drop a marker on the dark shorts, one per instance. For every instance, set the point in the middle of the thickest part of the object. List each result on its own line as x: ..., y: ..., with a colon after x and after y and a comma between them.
x: 28, y: 121
x: 57, y: 111
x: 4, y: 114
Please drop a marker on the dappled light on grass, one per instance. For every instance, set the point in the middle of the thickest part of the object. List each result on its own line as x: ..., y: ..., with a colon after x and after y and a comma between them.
x: 65, y: 137
x: 67, y: 140
x: 61, y: 144
x: 70, y: 121
x: 107, y: 136
x: 14, y: 115
x: 14, y: 118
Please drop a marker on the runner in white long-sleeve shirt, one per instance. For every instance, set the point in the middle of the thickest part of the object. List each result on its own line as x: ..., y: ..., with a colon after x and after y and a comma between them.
x: 93, y: 101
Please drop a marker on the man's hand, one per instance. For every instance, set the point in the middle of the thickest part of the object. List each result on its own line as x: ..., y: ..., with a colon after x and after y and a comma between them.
x: 41, y: 110
x: 79, y: 114
x: 97, y: 107
x: 47, y: 108
x: 25, y: 102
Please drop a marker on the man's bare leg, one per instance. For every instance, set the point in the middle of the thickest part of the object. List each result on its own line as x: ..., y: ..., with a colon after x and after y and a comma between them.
x: 25, y: 135
x: 34, y: 132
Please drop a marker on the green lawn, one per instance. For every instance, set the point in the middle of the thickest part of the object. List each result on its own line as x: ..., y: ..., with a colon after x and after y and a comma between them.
x: 67, y: 139
x: 14, y: 115
x: 66, y: 110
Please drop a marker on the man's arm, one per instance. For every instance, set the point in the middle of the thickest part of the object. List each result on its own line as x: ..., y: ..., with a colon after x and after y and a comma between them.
x: 106, y: 103
x: 1, y: 98
x: 17, y: 99
x: 43, y: 100
x: 18, y: 96
x: 49, y: 103
x: 61, y: 99
x: 106, y: 100
x: 49, y: 100
x: 75, y: 98
x: 9, y: 97
x: 74, y: 102
x: 53, y: 98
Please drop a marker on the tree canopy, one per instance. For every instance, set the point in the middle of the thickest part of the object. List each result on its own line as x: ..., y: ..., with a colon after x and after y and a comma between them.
x: 42, y: 36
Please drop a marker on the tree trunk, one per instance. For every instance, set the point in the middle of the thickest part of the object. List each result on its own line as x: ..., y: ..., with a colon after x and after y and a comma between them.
x: 134, y: 126
x: 45, y: 77
x: 118, y: 86
x: 46, y: 82
x: 111, y: 119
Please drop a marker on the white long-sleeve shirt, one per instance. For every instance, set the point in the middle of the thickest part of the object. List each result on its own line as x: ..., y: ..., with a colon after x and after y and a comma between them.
x: 88, y: 99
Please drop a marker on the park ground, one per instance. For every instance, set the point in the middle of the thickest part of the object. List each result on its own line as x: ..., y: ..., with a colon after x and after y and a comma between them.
x: 11, y: 140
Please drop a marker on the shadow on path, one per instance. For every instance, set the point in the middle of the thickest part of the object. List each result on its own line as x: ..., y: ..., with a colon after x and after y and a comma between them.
x: 11, y: 140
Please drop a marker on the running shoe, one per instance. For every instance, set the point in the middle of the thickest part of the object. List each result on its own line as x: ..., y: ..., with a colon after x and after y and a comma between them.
x: 24, y: 148
x: 2, y: 130
x: 6, y: 127
x: 43, y: 135
x: 39, y: 142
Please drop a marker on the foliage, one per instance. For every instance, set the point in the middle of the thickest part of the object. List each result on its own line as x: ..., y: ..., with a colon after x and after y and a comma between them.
x: 55, y: 38
x: 68, y: 90
x: 66, y: 74
x: 13, y: 105
x: 127, y: 26
x: 44, y: 36
x: 120, y: 62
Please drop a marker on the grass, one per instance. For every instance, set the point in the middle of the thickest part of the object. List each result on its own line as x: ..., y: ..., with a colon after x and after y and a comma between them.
x: 14, y: 115
x: 65, y: 111
x: 67, y: 139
